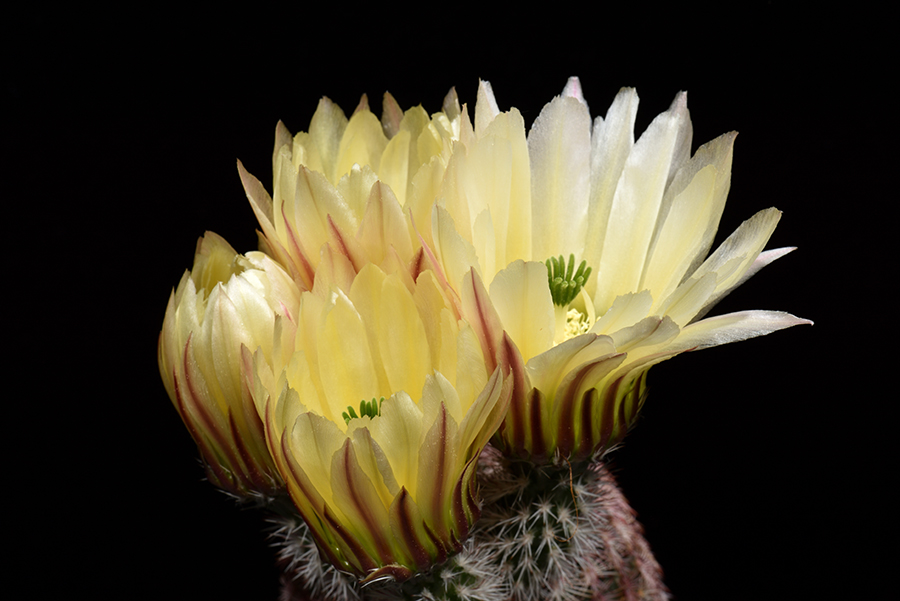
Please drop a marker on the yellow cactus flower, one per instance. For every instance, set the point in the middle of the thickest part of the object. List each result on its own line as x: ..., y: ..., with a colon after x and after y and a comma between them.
x: 225, y: 302
x: 594, y: 245
x: 377, y: 418
x: 352, y: 183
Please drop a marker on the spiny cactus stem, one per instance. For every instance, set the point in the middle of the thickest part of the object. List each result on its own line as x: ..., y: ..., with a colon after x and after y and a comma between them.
x: 559, y: 531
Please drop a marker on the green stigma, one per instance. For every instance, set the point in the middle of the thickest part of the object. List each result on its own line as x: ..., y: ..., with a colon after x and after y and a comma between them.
x: 366, y: 409
x: 564, y: 284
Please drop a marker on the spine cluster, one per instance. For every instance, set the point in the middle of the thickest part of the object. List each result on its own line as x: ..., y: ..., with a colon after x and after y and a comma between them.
x: 552, y: 533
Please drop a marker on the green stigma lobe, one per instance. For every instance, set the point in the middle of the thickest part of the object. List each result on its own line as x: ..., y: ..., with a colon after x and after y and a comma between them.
x: 366, y: 409
x: 564, y: 284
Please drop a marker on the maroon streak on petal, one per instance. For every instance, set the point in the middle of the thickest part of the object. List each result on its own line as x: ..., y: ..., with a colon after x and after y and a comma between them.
x: 440, y: 545
x: 435, y: 266
x: 484, y: 319
x: 607, y: 422
x: 302, y: 486
x: 247, y: 463
x: 403, y: 514
x: 460, y: 519
x: 633, y: 402
x: 208, y: 427
x: 536, y: 399
x: 439, y: 494
x: 417, y: 265
x: 468, y: 484
x: 307, y: 273
x: 353, y: 476
x: 219, y: 475
x: 586, y: 442
x: 337, y: 239
x: 364, y: 564
x: 565, y: 407
x: 251, y: 415
x: 567, y: 397
x: 512, y: 362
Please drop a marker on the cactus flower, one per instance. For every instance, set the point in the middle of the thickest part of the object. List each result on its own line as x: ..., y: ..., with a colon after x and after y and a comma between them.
x: 595, y: 247
x: 225, y: 302
x: 325, y: 184
x: 377, y: 419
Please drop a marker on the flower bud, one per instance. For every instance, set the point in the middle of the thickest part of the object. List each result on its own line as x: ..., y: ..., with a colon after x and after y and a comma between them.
x: 225, y: 303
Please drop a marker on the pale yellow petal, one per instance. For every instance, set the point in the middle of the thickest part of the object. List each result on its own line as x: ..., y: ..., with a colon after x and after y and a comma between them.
x: 559, y: 145
x: 354, y: 187
x: 611, y: 142
x: 313, y: 442
x: 734, y: 327
x: 626, y: 310
x: 485, y: 244
x: 399, y: 433
x: 512, y: 198
x: 401, y: 338
x: 457, y: 255
x: 372, y: 460
x: 395, y: 166
x: 316, y: 201
x: 364, y: 293
x: 522, y: 298
x: 681, y: 237
x: 682, y: 305
x: 636, y: 205
x: 471, y: 375
x: 485, y: 107
x: 363, y: 142
x: 433, y: 307
x: 384, y: 226
x: 326, y: 132
x: 547, y: 369
x: 345, y: 363
x: 424, y: 189
x: 717, y: 153
x: 436, y: 391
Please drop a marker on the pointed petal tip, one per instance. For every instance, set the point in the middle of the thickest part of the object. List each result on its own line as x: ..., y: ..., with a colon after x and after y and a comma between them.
x: 679, y: 103
x: 573, y: 88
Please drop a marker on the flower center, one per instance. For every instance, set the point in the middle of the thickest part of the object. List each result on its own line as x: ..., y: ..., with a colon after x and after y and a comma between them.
x: 577, y: 323
x: 366, y: 409
x: 564, y: 284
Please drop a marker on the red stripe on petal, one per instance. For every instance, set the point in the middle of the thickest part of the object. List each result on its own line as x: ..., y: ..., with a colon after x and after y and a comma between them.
x: 484, y: 319
x: 307, y: 273
x: 404, y: 514
x: 586, y: 440
x: 362, y: 502
x: 536, y: 399
x: 364, y: 564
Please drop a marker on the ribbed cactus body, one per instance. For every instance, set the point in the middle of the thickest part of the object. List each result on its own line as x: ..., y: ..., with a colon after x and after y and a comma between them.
x: 552, y: 533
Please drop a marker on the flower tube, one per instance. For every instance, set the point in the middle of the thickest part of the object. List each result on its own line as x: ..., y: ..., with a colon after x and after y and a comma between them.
x: 224, y: 303
x: 595, y: 249
x: 377, y: 419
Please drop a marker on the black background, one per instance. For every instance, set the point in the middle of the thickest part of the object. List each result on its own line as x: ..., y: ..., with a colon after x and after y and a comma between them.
x: 756, y: 468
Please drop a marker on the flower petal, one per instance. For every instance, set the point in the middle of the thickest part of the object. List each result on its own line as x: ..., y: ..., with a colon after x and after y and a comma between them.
x: 734, y: 327
x: 559, y: 145
x: 611, y: 143
x: 522, y: 299
x: 637, y: 202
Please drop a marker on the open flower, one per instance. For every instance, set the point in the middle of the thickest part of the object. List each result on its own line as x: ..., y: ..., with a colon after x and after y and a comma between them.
x: 227, y: 301
x: 353, y: 183
x: 378, y: 417
x: 594, y: 245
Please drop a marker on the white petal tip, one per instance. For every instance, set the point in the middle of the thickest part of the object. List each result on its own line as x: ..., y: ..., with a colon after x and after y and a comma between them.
x: 573, y: 89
